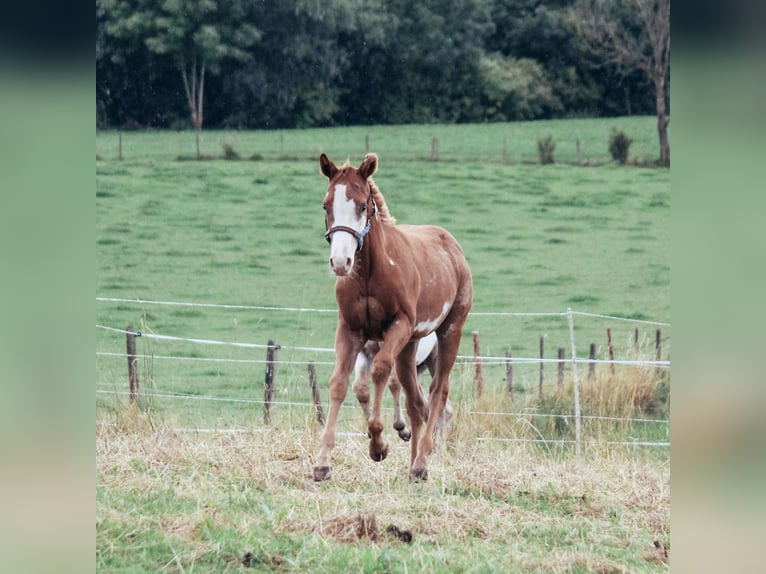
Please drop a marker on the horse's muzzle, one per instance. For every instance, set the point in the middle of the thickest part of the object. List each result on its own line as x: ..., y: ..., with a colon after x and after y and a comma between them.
x: 341, y: 266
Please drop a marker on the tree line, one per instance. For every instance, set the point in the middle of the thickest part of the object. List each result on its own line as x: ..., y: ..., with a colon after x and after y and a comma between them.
x: 314, y: 63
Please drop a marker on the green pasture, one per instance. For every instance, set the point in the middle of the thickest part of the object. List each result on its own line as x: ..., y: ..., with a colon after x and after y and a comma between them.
x: 483, y: 143
x: 249, y: 233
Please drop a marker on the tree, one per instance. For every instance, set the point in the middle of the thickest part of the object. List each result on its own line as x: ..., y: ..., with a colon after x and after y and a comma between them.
x: 632, y: 35
x: 197, y: 35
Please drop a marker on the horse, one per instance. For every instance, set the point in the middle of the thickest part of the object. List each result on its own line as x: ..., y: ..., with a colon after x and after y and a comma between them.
x: 395, y: 284
x: 425, y: 358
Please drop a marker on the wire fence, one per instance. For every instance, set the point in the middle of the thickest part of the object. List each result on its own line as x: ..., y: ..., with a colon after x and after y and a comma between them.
x: 466, y: 361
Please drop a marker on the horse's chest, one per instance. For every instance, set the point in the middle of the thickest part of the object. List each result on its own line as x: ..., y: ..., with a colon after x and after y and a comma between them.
x: 368, y: 315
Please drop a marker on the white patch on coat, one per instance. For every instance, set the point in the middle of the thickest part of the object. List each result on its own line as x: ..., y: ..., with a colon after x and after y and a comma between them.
x: 425, y: 346
x: 428, y: 326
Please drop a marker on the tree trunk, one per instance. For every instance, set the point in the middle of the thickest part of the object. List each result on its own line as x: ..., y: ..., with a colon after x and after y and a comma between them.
x: 662, y: 119
x: 194, y: 97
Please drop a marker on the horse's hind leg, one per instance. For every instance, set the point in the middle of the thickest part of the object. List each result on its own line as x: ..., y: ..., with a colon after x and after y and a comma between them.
x: 449, y: 341
x: 361, y: 385
x: 400, y: 426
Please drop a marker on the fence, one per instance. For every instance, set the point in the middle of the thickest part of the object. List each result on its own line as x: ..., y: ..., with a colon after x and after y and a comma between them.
x: 474, y: 362
x: 577, y: 142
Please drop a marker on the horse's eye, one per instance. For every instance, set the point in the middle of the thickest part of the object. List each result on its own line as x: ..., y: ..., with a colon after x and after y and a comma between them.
x: 364, y: 208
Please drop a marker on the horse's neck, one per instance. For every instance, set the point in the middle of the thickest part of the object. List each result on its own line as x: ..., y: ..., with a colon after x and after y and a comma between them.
x: 376, y: 253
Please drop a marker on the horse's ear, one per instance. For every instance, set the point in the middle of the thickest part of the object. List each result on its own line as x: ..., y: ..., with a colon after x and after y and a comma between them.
x: 327, y: 167
x: 369, y: 165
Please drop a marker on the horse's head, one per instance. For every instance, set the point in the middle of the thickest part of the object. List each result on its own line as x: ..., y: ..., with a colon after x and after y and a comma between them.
x: 348, y: 207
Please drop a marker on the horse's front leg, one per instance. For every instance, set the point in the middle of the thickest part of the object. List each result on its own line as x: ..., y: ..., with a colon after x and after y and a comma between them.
x: 396, y: 337
x: 347, y: 346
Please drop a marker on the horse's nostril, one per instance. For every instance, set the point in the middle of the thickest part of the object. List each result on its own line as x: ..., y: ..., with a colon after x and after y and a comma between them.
x: 348, y: 262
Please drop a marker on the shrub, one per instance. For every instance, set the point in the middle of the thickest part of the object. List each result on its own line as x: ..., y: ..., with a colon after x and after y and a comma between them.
x: 619, y: 144
x: 228, y: 149
x: 545, y: 147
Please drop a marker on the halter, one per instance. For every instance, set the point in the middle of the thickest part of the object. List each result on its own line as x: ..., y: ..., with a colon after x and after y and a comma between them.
x: 358, y: 235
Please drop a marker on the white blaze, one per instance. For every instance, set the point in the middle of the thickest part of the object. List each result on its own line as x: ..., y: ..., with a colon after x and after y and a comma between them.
x: 343, y: 245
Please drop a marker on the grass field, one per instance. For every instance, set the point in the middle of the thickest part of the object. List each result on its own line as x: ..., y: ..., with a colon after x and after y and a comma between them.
x: 538, y: 239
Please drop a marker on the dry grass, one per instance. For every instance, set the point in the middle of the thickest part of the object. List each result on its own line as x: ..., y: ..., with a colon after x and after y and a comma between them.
x: 233, y: 500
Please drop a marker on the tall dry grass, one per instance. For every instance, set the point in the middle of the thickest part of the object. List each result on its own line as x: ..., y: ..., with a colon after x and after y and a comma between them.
x: 494, y: 500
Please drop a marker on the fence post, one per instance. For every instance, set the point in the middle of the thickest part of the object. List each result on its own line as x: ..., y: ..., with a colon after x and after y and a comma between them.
x: 509, y: 373
x: 579, y: 156
x: 591, y: 364
x: 119, y: 146
x: 268, y: 389
x: 315, y: 393
x: 658, y: 345
x: 540, y: 390
x: 611, y: 348
x: 435, y: 149
x: 635, y: 343
x: 560, y: 376
x: 130, y: 337
x: 366, y: 143
x: 478, y: 375
x: 576, y: 381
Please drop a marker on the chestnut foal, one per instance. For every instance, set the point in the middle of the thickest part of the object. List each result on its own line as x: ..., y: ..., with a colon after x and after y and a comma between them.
x: 395, y: 284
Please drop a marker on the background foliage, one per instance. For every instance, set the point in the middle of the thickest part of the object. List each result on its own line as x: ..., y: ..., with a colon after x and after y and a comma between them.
x: 302, y: 63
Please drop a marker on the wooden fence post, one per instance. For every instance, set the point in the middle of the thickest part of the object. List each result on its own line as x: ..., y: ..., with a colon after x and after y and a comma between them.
x: 366, y: 143
x: 478, y: 376
x: 119, y: 146
x: 635, y: 343
x: 435, y: 149
x: 560, y: 376
x: 592, y: 365
x: 658, y: 345
x: 611, y: 348
x: 315, y: 393
x: 509, y: 373
x: 579, y: 155
x: 130, y: 337
x: 268, y: 389
x: 540, y: 391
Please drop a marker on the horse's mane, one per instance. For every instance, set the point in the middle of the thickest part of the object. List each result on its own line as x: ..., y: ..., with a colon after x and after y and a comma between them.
x: 380, y: 201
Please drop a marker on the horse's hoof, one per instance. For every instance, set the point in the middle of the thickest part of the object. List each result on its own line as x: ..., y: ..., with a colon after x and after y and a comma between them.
x: 418, y: 474
x: 378, y: 456
x: 405, y: 434
x: 399, y: 426
x: 321, y: 473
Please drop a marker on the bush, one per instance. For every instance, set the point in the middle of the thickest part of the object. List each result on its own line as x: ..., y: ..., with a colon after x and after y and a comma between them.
x: 228, y: 149
x: 545, y: 147
x: 619, y: 144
